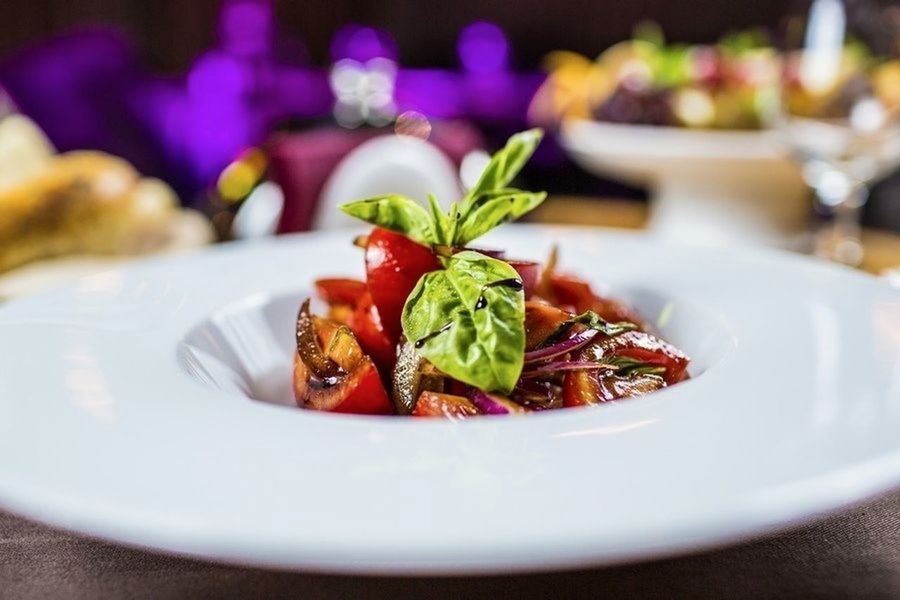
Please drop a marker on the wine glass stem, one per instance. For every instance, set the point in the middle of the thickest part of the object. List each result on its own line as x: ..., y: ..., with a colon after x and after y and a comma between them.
x: 840, y: 238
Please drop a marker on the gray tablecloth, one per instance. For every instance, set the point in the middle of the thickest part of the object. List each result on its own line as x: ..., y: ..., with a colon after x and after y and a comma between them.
x: 852, y: 555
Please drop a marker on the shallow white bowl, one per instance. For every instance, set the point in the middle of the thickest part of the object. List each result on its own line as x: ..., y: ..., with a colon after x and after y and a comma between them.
x: 711, y: 186
x: 126, y: 413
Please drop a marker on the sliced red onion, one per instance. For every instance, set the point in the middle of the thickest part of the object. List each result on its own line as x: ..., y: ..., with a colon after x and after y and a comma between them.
x: 563, y: 365
x: 490, y: 404
x: 569, y: 345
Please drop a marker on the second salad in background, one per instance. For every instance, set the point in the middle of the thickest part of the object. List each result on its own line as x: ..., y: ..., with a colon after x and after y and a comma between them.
x: 732, y: 84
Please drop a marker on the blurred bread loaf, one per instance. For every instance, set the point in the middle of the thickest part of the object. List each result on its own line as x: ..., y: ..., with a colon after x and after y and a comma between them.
x: 24, y: 150
x: 75, y: 203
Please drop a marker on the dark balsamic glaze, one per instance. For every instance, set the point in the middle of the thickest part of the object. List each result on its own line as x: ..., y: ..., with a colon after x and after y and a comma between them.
x: 421, y: 342
x: 513, y: 284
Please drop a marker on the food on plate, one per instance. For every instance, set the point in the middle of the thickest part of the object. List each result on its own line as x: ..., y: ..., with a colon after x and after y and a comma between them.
x: 440, y: 328
x: 732, y: 84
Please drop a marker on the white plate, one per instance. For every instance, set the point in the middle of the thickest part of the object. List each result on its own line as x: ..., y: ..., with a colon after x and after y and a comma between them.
x: 123, y: 415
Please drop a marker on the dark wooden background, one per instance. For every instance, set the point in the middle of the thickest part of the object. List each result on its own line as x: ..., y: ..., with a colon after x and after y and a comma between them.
x: 172, y: 32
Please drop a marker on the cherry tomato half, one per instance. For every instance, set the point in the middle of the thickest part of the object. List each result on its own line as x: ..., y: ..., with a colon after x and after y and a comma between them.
x: 394, y: 264
x: 541, y: 320
x: 448, y: 406
x: 577, y: 293
x: 340, y: 290
x: 591, y: 387
x: 372, y: 337
x: 356, y: 389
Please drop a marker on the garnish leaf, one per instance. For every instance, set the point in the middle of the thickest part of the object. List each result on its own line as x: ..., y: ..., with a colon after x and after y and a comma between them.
x: 440, y: 222
x: 453, y: 218
x: 397, y: 213
x: 492, y: 208
x: 593, y: 321
x: 504, y: 165
x: 489, y: 203
x: 626, y: 366
x: 466, y: 321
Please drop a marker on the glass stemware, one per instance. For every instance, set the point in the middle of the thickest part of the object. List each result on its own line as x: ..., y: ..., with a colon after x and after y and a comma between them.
x: 840, y: 110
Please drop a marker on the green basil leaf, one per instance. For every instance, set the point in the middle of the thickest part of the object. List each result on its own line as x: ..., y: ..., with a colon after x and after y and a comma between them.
x: 469, y: 320
x: 646, y: 370
x: 492, y: 208
x: 626, y: 366
x: 397, y: 213
x: 452, y: 222
x: 504, y: 165
x: 440, y: 222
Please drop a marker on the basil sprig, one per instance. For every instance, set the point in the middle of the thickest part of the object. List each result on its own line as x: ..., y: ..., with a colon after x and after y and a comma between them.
x: 397, y: 213
x: 468, y: 327
x: 489, y: 203
x: 467, y: 323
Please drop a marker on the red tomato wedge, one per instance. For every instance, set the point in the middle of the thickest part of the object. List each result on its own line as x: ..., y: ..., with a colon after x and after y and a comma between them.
x: 577, y: 293
x: 648, y: 349
x: 372, y: 337
x: 583, y: 388
x: 394, y: 264
x: 541, y: 320
x: 571, y: 291
x: 590, y: 387
x: 356, y: 389
x: 448, y: 406
x: 340, y: 290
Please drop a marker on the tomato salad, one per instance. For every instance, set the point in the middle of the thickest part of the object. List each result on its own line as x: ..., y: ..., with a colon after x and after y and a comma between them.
x: 440, y: 328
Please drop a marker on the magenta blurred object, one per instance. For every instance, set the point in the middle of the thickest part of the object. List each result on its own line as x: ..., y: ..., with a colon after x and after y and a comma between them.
x: 232, y: 97
x: 88, y: 89
x: 362, y: 44
x: 302, y: 162
x: 486, y: 89
x: 73, y: 86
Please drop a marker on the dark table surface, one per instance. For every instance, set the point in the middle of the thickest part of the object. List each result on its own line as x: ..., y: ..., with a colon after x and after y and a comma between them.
x: 855, y: 554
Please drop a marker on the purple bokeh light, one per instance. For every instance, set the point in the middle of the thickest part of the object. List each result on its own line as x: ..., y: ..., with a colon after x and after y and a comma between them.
x: 483, y: 48
x: 247, y: 28
x: 362, y: 44
x: 88, y: 89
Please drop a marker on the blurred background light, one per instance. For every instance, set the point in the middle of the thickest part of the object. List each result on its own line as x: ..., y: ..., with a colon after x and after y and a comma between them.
x: 218, y: 98
x: 483, y: 48
x: 362, y: 44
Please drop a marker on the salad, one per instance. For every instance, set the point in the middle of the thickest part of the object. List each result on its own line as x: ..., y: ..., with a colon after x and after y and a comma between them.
x: 736, y: 83
x: 440, y: 328
x: 732, y: 84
